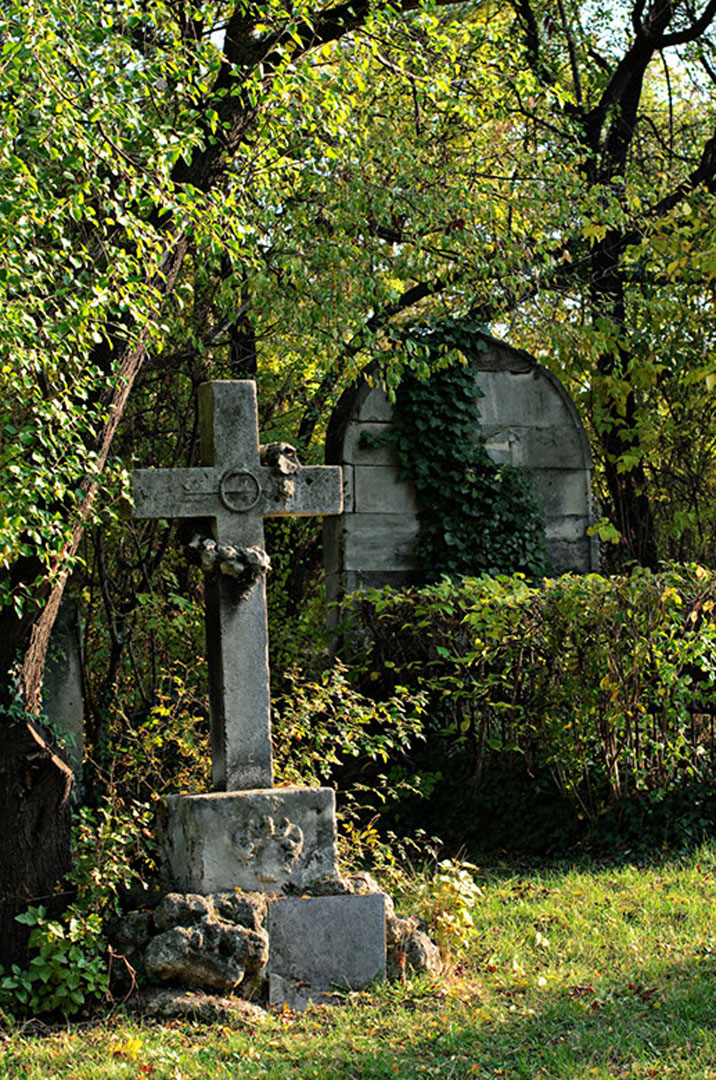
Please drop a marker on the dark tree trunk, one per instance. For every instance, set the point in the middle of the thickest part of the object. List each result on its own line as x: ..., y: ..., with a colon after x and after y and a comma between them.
x: 35, y: 788
x: 242, y: 348
x: 632, y: 510
x: 618, y: 430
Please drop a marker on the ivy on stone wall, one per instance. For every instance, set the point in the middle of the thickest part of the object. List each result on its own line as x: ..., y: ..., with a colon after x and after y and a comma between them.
x: 475, y: 515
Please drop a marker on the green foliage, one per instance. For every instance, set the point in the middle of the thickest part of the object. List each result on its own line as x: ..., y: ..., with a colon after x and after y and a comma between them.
x: 446, y: 899
x: 298, y: 636
x: 112, y: 849
x: 321, y: 722
x: 68, y: 969
x: 69, y: 964
x: 475, y: 516
x: 146, y: 672
x: 605, y: 686
x: 163, y: 747
x: 325, y: 731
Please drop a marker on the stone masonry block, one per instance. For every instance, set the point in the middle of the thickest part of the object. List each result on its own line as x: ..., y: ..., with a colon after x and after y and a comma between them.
x: 581, y: 556
x: 376, y: 542
x: 570, y: 529
x: 380, y: 490
x: 376, y: 407
x: 525, y: 400
x: 325, y: 943
x: 358, y: 451
x: 258, y: 841
x: 562, y: 491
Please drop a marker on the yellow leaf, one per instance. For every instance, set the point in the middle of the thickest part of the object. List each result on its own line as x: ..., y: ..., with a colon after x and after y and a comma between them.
x: 132, y: 1047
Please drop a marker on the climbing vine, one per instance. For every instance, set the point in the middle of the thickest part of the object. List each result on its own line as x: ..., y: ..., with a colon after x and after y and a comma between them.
x: 475, y: 516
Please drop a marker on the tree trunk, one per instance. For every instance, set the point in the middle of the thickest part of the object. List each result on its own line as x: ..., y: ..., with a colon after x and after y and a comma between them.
x: 618, y: 429
x: 35, y: 788
x: 632, y: 510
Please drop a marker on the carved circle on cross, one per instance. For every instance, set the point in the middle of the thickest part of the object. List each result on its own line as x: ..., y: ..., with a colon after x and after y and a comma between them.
x: 239, y: 490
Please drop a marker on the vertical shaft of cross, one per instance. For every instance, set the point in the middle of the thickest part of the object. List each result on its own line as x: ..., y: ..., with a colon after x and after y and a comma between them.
x: 237, y: 642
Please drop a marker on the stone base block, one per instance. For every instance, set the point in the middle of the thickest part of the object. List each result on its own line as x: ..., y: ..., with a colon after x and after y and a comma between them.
x: 297, y: 995
x: 323, y: 944
x: 258, y: 841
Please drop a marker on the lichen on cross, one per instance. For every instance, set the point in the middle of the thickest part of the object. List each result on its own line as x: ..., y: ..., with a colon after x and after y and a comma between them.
x: 236, y: 490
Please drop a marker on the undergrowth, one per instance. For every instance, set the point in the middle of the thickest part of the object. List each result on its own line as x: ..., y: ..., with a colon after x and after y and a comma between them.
x: 580, y: 709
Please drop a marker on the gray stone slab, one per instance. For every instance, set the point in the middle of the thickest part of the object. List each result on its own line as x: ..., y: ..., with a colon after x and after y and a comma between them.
x: 570, y: 529
x: 520, y: 400
x: 375, y: 407
x: 562, y: 491
x: 237, y: 646
x: 579, y: 556
x: 377, y: 579
x: 380, y: 490
x: 334, y: 530
x: 555, y: 448
x: 335, y: 591
x: 558, y: 447
x: 328, y: 942
x: 357, y: 452
x: 501, y: 357
x: 380, y: 542
x: 62, y: 690
x: 499, y: 443
x: 348, y: 490
x: 258, y: 841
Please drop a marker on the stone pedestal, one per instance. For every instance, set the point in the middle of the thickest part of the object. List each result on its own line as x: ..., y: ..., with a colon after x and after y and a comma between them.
x: 259, y: 841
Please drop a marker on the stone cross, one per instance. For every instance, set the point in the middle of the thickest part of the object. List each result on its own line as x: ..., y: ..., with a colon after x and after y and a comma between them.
x: 236, y: 490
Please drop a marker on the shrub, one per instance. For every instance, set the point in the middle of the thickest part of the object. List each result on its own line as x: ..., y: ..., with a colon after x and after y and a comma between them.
x: 606, y: 685
x: 69, y: 967
x: 324, y: 731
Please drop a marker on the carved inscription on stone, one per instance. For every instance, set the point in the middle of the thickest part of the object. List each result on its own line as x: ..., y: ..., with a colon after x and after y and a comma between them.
x: 276, y: 846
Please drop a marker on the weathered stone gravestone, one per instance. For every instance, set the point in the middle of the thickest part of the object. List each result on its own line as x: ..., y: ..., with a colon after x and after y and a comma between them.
x: 248, y: 835
x: 526, y: 418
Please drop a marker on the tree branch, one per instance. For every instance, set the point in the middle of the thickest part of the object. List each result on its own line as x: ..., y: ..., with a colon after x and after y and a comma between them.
x: 695, y: 30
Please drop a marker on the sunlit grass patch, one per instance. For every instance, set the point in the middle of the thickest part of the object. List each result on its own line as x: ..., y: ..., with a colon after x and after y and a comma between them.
x: 577, y: 973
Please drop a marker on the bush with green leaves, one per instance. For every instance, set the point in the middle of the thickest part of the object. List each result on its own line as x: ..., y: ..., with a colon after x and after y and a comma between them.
x: 326, y: 731
x: 606, y: 686
x: 69, y: 966
x: 446, y: 899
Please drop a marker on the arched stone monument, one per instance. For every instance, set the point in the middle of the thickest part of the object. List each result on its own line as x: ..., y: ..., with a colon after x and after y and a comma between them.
x: 526, y: 418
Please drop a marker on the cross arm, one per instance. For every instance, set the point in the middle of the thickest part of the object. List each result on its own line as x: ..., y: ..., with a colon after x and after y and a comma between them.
x: 311, y: 490
x: 175, y: 493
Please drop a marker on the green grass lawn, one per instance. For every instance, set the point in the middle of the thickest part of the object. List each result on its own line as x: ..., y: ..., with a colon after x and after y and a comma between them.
x: 569, y: 973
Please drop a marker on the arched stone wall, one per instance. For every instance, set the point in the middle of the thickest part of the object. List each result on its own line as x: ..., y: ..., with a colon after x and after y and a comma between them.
x: 526, y: 418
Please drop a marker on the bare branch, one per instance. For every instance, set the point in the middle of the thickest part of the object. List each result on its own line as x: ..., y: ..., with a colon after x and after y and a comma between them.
x: 572, y: 54
x: 704, y: 174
